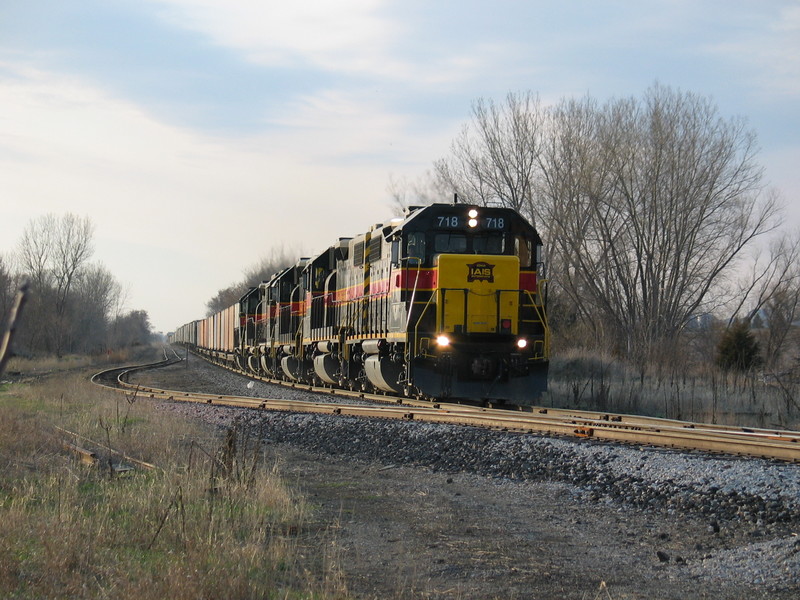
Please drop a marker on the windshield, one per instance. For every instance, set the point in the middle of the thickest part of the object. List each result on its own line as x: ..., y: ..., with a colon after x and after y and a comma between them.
x: 450, y: 243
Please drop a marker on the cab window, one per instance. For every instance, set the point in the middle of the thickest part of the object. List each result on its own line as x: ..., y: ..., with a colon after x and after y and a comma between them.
x: 319, y: 278
x: 492, y: 243
x: 522, y: 248
x: 415, y: 247
x: 450, y: 243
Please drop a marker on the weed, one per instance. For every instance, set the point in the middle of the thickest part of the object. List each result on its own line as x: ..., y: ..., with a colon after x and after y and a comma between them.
x: 674, y: 391
x: 214, y: 520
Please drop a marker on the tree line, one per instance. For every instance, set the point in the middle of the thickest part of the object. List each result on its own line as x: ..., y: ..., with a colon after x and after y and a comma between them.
x: 654, y: 211
x: 278, y: 259
x: 75, y: 305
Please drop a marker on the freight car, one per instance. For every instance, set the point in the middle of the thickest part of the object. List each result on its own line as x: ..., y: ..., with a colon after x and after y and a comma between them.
x: 444, y: 302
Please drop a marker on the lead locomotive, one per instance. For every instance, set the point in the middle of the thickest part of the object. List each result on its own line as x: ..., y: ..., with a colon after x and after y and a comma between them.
x: 444, y: 302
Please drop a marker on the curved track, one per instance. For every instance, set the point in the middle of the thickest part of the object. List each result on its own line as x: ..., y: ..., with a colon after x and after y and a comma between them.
x: 115, y: 378
x: 772, y: 444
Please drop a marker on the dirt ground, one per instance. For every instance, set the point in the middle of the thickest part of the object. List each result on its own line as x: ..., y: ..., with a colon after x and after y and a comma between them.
x: 409, y: 532
x: 403, y: 532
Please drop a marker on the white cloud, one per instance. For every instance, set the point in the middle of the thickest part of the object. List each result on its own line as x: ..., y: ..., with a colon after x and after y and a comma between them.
x: 789, y: 20
x: 782, y: 174
x: 197, y: 209
x: 200, y: 208
x: 781, y: 52
x: 351, y: 37
x: 335, y: 126
x: 769, y: 47
x: 342, y: 35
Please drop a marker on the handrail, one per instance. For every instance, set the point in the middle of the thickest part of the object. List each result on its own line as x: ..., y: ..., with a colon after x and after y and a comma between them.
x: 416, y: 329
x: 543, y: 319
x: 413, y: 291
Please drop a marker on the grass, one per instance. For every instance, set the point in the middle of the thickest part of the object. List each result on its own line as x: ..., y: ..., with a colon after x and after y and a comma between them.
x: 34, y: 366
x: 704, y: 395
x: 214, y: 520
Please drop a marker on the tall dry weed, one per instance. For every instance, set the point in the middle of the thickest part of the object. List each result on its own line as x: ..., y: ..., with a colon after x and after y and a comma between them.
x: 673, y: 389
x: 213, y: 520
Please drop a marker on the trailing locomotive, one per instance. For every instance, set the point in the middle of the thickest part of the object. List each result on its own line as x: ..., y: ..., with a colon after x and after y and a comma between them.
x: 445, y: 302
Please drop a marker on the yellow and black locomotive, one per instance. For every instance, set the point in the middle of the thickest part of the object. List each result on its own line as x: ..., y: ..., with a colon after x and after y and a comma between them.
x: 445, y: 302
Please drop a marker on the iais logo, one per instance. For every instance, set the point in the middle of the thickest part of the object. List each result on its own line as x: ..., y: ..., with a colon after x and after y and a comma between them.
x: 480, y: 271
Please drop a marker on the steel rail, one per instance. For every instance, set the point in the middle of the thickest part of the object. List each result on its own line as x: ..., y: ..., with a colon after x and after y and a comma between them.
x: 770, y: 444
x: 657, y: 421
x: 569, y: 415
x: 592, y: 419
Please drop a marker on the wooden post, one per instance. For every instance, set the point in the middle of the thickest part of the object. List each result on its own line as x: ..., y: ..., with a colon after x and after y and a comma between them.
x: 15, y: 315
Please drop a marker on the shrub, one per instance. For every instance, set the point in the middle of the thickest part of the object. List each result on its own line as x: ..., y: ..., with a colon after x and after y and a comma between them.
x: 738, y: 349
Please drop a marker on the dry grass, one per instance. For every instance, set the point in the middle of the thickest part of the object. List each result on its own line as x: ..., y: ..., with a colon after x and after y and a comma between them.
x: 213, y: 521
x: 50, y: 364
x: 681, y: 391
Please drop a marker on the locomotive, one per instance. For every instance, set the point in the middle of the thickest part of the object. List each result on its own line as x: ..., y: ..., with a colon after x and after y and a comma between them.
x: 445, y: 302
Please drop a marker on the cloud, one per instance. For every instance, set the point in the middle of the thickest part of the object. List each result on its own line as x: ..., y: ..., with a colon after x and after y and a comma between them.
x: 371, y: 42
x: 347, y: 35
x: 180, y: 214
x: 201, y: 133
x: 768, y: 47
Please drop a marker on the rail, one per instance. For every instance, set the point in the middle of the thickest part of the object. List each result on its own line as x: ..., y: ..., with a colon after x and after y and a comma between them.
x: 762, y: 443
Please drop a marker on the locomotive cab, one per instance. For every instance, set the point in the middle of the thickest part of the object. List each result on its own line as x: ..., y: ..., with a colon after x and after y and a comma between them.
x: 476, y: 326
x: 245, y: 335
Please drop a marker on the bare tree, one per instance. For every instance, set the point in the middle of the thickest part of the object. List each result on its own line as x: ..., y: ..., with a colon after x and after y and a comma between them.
x: 225, y: 297
x: 660, y: 198
x: 278, y: 259
x: 52, y: 252
x: 771, y: 292
x: 73, y: 303
x: 94, y: 298
x: 36, y: 249
x: 71, y: 251
x: 782, y: 310
x: 569, y: 164
x: 494, y: 161
x: 771, y: 272
x: 429, y: 188
x: 131, y: 329
x: 645, y: 205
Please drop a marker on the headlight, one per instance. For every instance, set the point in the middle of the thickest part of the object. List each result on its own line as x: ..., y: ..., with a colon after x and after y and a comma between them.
x: 442, y: 341
x: 522, y: 343
x: 473, y: 213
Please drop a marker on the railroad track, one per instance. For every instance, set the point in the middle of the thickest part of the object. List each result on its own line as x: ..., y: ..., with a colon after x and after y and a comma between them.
x: 114, y: 378
x: 631, y: 429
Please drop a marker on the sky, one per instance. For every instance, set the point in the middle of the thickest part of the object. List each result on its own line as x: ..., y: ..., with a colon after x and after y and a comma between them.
x: 201, y: 135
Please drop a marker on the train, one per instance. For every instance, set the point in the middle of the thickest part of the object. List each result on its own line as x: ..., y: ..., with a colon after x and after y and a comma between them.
x: 446, y: 302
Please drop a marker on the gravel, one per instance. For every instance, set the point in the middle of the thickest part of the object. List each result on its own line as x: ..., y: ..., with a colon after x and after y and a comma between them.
x: 752, y: 505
